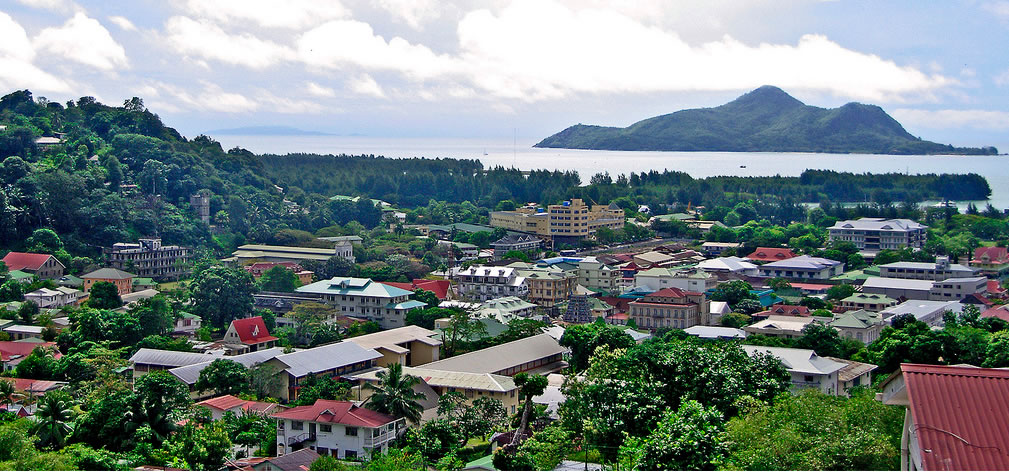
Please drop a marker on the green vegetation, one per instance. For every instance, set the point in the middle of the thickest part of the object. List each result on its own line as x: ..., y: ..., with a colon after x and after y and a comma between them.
x: 764, y: 120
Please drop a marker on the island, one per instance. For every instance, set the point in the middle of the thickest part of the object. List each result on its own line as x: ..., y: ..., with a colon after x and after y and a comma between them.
x: 764, y: 120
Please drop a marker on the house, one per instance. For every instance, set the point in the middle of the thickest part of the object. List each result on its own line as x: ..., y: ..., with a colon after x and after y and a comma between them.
x: 504, y: 309
x: 771, y: 254
x: 868, y: 302
x: 483, y: 283
x: 122, y: 280
x: 539, y: 354
x: 334, y: 360
x: 149, y: 258
x: 548, y: 285
x: 658, y: 278
x: 807, y: 369
x: 435, y: 383
x: 729, y: 265
x: 596, y: 275
x: 37, y: 388
x: 13, y: 352
x: 146, y: 360
x: 57, y: 298
x: 238, y: 407
x: 862, y: 325
x: 70, y: 281
x: 515, y: 242
x: 44, y: 266
x: 250, y: 253
x: 653, y: 259
x: 956, y: 416
x: 941, y: 269
x: 408, y: 346
x: 461, y: 251
x: 870, y: 235
x: 716, y: 249
x: 186, y: 323
x: 1001, y: 312
x: 250, y: 331
x: 992, y: 261
x: 996, y: 290
x: 18, y: 332
x: 440, y: 288
x: 715, y: 332
x: 144, y: 283
x: 48, y: 142
x: 281, y: 303
x: 669, y: 307
x: 926, y: 311
x: 301, y: 459
x: 854, y: 374
x: 716, y: 311
x: 257, y: 269
x: 335, y: 428
x: 782, y: 310
x: 776, y: 326
x: 802, y: 268
x: 364, y: 298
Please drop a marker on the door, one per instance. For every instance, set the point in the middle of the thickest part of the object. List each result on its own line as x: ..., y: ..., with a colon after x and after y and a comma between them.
x: 311, y: 431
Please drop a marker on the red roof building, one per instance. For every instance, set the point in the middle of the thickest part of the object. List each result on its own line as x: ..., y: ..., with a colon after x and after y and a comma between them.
x: 336, y: 428
x: 783, y: 310
x: 36, y: 387
x: 44, y: 265
x: 438, y: 287
x: 336, y: 412
x: 219, y: 405
x: 669, y: 307
x: 251, y: 332
x: 12, y: 353
x: 993, y: 261
x: 957, y: 416
x: 995, y: 289
x: 1001, y: 312
x: 771, y: 254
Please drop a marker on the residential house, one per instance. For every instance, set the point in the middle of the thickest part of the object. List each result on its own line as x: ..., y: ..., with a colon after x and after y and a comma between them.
x: 777, y: 326
x: 257, y: 269
x: 186, y: 323
x: 408, y: 346
x: 955, y: 418
x: 149, y: 258
x: 146, y: 360
x: 218, y: 406
x: 189, y: 373
x: 862, y: 325
x: 537, y: 354
x: 282, y: 303
x: 669, y: 307
x: 716, y: 249
x: 927, y: 311
x: 870, y: 235
x: 13, y: 352
x: 515, y: 242
x: 729, y: 265
x: 802, y: 268
x: 54, y: 298
x: 808, y: 370
x: 771, y: 254
x: 782, y: 310
x: 484, y: 283
x: 992, y: 261
x: 854, y: 374
x: 1001, y: 312
x: 596, y: 275
x: 333, y: 360
x: 941, y: 269
x: 44, y: 266
x: 658, y: 278
x: 335, y: 428
x: 868, y: 302
x: 461, y: 251
x: 144, y: 283
x: 653, y: 259
x: 435, y: 383
x: 18, y: 332
x: 122, y: 280
x: 715, y: 332
x: 299, y: 460
x: 716, y: 311
x: 365, y: 298
x: 251, y: 332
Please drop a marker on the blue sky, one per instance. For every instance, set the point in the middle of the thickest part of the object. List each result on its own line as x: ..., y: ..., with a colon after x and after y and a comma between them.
x: 482, y: 68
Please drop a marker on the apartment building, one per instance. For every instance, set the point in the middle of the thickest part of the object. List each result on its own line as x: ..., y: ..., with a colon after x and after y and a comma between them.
x: 548, y: 285
x: 871, y: 235
x: 482, y: 283
x: 669, y: 307
x: 569, y: 221
x: 149, y: 258
x: 364, y: 298
x: 803, y: 268
x: 594, y: 274
x: 941, y: 269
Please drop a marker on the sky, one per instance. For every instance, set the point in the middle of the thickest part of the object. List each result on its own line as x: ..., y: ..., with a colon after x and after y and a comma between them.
x: 491, y: 68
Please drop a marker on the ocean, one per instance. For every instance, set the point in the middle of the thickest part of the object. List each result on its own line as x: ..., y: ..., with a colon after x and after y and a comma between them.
x: 520, y: 154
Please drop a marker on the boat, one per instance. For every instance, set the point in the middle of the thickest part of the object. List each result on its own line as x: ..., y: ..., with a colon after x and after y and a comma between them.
x: 742, y: 167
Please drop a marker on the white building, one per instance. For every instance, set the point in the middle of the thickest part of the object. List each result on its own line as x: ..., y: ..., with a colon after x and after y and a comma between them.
x: 54, y: 298
x: 335, y: 428
x: 807, y: 369
x: 659, y: 278
x: 941, y: 269
x: 484, y: 283
x: 803, y: 268
x: 364, y: 298
x: 927, y: 311
x: 729, y: 265
x: 595, y: 274
x: 870, y: 235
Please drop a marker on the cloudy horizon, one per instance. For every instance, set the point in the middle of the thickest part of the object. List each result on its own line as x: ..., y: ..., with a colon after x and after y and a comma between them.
x: 489, y: 67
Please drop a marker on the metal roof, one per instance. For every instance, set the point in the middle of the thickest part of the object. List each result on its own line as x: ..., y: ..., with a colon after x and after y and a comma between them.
x: 906, y: 284
x: 446, y: 378
x: 714, y: 332
x: 852, y: 369
x: 803, y: 262
x: 108, y: 273
x: 878, y: 224
x: 353, y: 286
x: 392, y: 337
x: 803, y: 361
x: 166, y: 358
x: 501, y: 357
x: 191, y: 373
x: 323, y: 358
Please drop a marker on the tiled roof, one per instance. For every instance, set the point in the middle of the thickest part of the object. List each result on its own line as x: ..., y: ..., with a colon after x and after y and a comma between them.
x: 252, y: 330
x: 336, y: 412
x: 959, y: 416
x: 108, y: 273
x: 1001, y: 312
x: 787, y: 310
x: 25, y: 260
x: 771, y: 254
x: 996, y: 255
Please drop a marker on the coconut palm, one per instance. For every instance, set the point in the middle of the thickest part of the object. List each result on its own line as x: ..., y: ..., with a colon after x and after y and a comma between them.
x: 53, y: 419
x: 6, y: 392
x: 395, y: 396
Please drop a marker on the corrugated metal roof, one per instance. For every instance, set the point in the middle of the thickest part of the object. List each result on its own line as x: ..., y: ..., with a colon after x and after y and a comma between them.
x: 190, y: 373
x: 108, y: 273
x: 960, y: 416
x: 353, y: 286
x: 445, y: 378
x: 502, y: 356
x: 802, y: 361
x: 396, y: 336
x: 165, y: 358
x: 322, y: 358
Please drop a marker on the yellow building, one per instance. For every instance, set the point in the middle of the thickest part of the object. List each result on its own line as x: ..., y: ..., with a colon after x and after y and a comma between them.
x: 571, y: 219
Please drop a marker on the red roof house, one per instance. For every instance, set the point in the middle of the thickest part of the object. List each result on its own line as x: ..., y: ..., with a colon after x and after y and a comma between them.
x: 336, y: 412
x: 44, y: 265
x: 957, y: 416
x: 439, y: 287
x: 990, y: 255
x: 12, y: 353
x: 1001, y: 312
x: 771, y: 254
x: 221, y: 404
x: 251, y: 332
x: 783, y: 310
x: 995, y: 289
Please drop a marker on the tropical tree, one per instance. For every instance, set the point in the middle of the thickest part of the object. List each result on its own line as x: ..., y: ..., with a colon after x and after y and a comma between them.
x: 395, y: 396
x: 279, y: 279
x: 685, y: 439
x: 104, y: 295
x: 529, y: 386
x: 222, y: 294
x: 53, y: 419
x: 6, y: 392
x: 224, y: 377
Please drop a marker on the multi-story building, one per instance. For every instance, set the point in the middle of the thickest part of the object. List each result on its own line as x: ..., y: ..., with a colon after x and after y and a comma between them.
x: 548, y: 284
x: 862, y: 325
x: 669, y: 308
x: 482, y: 283
x: 54, y: 298
x: 596, y: 275
x: 250, y: 253
x: 868, y: 302
x: 870, y: 235
x: 659, y: 278
x: 364, y: 298
x: 148, y: 258
x: 122, y: 280
x: 958, y: 288
x: 43, y: 266
x: 336, y: 428
x: 569, y: 221
x: 940, y: 270
x: 526, y: 220
x: 808, y: 370
x: 803, y: 268
x: 515, y: 242
x: 993, y: 261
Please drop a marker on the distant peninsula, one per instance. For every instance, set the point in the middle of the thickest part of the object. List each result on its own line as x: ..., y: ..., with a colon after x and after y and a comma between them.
x: 764, y: 120
x: 267, y: 131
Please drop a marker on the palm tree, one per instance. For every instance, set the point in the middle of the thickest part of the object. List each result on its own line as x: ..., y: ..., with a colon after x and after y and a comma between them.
x: 53, y: 419
x: 395, y: 396
x: 6, y: 392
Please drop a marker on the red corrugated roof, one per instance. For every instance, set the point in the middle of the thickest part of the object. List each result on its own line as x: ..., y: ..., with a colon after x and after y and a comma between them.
x: 995, y: 255
x: 995, y: 288
x: 438, y: 287
x: 1001, y: 312
x: 787, y: 310
x: 960, y: 416
x: 252, y: 330
x: 336, y: 412
x: 771, y: 254
x: 12, y: 348
x: 224, y: 402
x: 34, y: 386
x: 25, y: 260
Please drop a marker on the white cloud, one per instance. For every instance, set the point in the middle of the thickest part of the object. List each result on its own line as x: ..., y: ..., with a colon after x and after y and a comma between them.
x: 54, y: 5
x: 16, y: 55
x: 1002, y: 79
x: 205, y: 40
x: 211, y: 98
x: 278, y: 104
x: 84, y: 40
x: 999, y: 8
x: 123, y: 22
x: 319, y: 91
x: 944, y: 119
x: 412, y: 12
x: 292, y: 14
x: 365, y: 85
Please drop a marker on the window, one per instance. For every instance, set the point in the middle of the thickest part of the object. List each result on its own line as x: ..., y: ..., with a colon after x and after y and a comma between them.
x: 350, y: 431
x: 326, y: 428
x: 322, y: 451
x: 809, y: 378
x: 298, y: 425
x: 348, y: 454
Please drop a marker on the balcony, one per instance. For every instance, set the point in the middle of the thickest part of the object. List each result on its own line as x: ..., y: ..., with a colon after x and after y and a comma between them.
x: 379, y: 439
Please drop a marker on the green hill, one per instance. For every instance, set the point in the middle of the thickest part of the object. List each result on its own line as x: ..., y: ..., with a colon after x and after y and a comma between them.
x: 764, y: 120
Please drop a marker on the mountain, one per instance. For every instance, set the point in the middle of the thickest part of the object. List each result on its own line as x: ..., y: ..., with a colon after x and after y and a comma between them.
x: 267, y: 131
x: 764, y: 120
